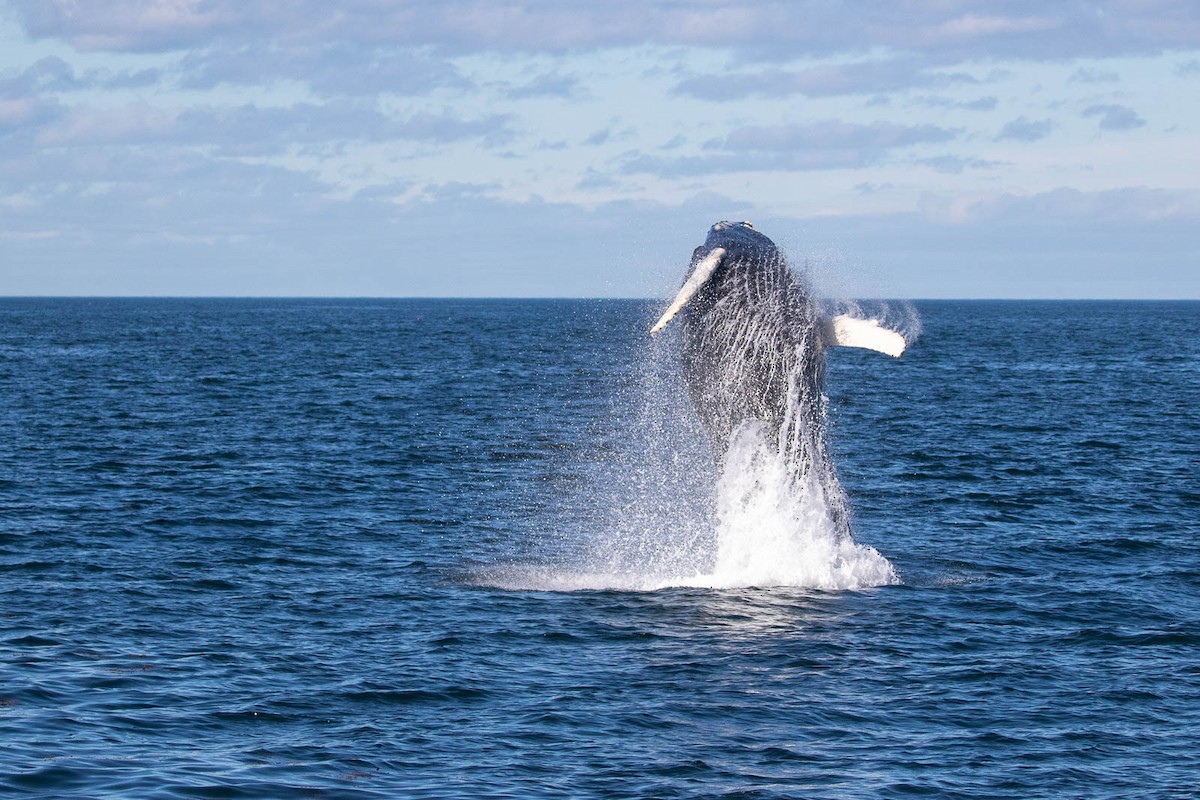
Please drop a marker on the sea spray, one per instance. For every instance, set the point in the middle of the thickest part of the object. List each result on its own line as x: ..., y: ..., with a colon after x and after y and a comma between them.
x: 653, y: 518
x: 775, y: 528
x: 900, y: 316
x: 657, y: 512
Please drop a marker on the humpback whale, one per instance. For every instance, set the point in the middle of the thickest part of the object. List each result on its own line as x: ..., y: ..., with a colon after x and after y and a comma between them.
x: 753, y: 351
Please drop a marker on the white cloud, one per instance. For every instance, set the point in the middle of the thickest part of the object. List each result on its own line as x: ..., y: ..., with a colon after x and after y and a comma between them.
x: 972, y: 26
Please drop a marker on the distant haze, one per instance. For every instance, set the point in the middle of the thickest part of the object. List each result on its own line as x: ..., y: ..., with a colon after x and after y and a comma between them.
x: 559, y: 148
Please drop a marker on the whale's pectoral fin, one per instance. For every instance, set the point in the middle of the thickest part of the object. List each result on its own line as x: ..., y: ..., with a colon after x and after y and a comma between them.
x: 847, y: 331
x: 700, y: 274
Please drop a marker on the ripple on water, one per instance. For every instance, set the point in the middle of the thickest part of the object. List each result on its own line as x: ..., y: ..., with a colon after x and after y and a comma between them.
x: 416, y: 549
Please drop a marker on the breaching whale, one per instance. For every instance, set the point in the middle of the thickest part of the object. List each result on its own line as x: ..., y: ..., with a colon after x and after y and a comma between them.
x: 753, y: 350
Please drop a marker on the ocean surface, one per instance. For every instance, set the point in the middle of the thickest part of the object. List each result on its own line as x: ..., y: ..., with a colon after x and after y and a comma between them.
x: 473, y: 549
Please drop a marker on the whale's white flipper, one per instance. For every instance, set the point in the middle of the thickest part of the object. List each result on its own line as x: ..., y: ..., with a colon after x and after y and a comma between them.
x: 700, y: 275
x: 847, y: 331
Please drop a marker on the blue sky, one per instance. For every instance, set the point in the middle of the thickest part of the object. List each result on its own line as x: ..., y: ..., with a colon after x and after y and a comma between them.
x: 915, y: 148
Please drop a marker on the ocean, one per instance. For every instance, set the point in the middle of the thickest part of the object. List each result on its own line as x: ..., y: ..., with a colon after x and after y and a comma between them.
x: 478, y: 549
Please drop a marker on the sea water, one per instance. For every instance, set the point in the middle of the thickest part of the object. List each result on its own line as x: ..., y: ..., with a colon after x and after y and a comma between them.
x: 368, y: 549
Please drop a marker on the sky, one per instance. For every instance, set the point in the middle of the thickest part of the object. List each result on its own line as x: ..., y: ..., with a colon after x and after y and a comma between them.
x: 893, y: 148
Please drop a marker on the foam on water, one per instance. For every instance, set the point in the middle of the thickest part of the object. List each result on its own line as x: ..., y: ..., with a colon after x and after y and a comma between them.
x: 658, y: 513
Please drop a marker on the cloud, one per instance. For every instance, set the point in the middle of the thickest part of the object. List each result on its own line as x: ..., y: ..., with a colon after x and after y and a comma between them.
x: 122, y: 190
x: 330, y: 68
x: 1064, y: 243
x: 987, y: 103
x: 22, y: 107
x: 52, y: 74
x: 228, y: 228
x: 830, y: 144
x: 1114, y: 117
x: 549, y: 85
x: 599, y: 137
x: 974, y: 26
x: 254, y: 130
x: 956, y: 164
x: 449, y: 127
x: 49, y: 73
x: 834, y: 135
x: 17, y: 113
x: 1090, y: 209
x: 239, y: 229
x: 136, y: 25
x: 129, y: 126
x: 18, y: 236
x: 593, y: 179
x: 1023, y: 129
x: 774, y: 31
x: 867, y: 77
x: 323, y: 88
x: 1093, y: 75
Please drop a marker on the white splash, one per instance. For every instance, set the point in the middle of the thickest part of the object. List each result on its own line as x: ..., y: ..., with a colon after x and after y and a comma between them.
x: 776, y: 530
x: 657, y: 514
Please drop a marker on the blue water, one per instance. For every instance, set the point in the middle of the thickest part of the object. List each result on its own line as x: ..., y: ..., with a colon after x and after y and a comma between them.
x: 275, y: 548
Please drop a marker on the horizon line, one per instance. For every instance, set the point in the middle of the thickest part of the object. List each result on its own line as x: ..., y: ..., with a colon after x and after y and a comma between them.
x: 573, y: 297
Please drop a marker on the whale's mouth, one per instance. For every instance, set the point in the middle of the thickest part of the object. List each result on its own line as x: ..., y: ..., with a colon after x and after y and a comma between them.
x: 701, y: 273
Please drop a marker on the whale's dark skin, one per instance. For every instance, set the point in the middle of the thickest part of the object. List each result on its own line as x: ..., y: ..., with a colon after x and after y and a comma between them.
x: 751, y: 335
x: 753, y: 351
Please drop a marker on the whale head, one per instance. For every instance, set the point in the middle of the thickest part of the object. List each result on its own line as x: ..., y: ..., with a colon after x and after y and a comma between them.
x: 725, y: 241
x: 737, y: 235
